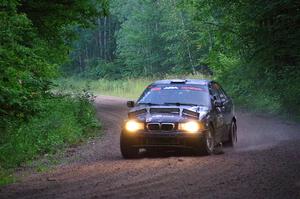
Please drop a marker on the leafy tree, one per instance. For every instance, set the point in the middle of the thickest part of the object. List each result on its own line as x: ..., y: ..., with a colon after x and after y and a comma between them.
x: 155, y: 37
x: 249, y: 45
x: 34, y: 39
x: 254, y: 45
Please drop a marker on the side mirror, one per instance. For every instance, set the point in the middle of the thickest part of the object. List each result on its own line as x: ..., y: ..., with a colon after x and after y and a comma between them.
x: 130, y: 104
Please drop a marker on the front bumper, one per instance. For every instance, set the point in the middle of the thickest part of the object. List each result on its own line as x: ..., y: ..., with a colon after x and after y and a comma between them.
x: 161, y: 139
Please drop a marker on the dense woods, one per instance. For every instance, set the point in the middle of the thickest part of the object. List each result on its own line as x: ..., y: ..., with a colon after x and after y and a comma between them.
x: 34, y: 42
x: 35, y: 38
x: 252, y: 47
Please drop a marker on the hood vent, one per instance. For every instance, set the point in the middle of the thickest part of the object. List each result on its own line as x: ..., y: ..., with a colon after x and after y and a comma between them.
x: 176, y: 111
x: 189, y: 113
x: 135, y: 113
x: 165, y: 110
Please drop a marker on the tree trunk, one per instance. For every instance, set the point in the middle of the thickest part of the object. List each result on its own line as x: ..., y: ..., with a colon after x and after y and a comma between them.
x: 105, y: 39
x: 99, y: 38
x: 187, y: 45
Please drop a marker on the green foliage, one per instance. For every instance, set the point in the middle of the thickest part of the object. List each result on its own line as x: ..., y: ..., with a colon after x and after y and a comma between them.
x: 155, y: 36
x: 54, y: 21
x: 253, y: 50
x: 103, y: 69
x: 127, y: 88
x: 62, y: 121
x: 6, y: 177
x: 140, y: 38
x: 252, y: 46
x: 95, y: 45
x: 23, y: 71
x: 34, y: 40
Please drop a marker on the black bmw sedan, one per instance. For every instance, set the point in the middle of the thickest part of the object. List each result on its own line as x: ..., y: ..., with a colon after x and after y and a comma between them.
x: 190, y: 114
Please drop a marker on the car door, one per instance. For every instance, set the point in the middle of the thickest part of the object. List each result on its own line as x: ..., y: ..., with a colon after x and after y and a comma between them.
x: 227, y: 110
x: 219, y: 112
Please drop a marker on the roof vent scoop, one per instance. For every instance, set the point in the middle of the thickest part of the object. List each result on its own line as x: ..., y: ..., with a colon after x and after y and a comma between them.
x: 178, y: 81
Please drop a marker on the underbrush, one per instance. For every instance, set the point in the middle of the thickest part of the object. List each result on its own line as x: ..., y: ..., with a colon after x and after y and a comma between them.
x: 127, y: 88
x: 62, y: 121
x: 6, y: 177
x: 130, y: 88
x: 257, y: 87
x: 244, y: 94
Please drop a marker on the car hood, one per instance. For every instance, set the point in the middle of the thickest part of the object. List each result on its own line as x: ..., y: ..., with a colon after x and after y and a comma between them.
x: 160, y: 114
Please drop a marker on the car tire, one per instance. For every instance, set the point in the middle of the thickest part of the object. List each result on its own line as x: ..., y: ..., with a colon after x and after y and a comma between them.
x: 207, y: 143
x: 127, y: 150
x: 232, y: 134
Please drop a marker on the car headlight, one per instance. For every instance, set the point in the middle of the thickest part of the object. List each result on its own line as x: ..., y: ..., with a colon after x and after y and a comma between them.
x: 133, y: 126
x: 191, y: 126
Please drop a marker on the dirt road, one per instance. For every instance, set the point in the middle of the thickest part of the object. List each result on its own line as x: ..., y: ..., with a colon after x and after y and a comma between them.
x: 265, y: 164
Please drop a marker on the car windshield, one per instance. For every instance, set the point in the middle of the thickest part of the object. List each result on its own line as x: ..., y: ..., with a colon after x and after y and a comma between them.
x: 175, y: 94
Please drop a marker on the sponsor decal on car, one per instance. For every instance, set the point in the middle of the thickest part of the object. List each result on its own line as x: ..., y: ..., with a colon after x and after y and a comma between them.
x: 170, y: 88
x: 191, y: 88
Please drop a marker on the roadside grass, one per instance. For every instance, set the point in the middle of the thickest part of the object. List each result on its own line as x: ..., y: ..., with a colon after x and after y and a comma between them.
x: 253, y: 100
x: 127, y: 88
x: 6, y: 177
x: 61, y: 122
x: 121, y: 88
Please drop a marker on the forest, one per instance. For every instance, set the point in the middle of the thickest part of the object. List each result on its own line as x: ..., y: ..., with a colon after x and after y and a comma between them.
x: 251, y: 47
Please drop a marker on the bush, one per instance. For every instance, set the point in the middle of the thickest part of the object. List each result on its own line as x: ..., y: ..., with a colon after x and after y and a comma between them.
x: 97, y: 69
x: 62, y: 121
x: 255, y: 86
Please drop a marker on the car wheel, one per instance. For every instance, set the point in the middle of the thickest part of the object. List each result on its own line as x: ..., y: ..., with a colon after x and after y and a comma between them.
x: 232, y: 134
x: 127, y: 150
x: 207, y: 143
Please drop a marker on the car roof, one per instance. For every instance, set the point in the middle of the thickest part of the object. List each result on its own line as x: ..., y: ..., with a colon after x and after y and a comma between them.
x: 183, y: 81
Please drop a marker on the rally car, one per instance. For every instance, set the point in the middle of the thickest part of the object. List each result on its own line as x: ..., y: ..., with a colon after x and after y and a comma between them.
x: 187, y: 114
